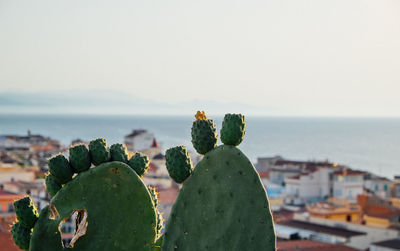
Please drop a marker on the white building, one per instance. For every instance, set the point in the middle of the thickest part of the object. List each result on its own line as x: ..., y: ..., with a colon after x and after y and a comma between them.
x: 347, y: 184
x: 380, y: 186
x: 139, y: 140
x: 304, y: 187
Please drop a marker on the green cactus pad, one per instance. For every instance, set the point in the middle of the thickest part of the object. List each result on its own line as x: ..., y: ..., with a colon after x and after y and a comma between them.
x: 79, y: 158
x: 119, y: 153
x: 60, y: 168
x: 179, y: 164
x: 223, y: 206
x: 204, y: 135
x: 52, y: 185
x: 99, y: 151
x: 139, y: 163
x: 120, y: 211
x: 26, y: 212
x: 233, y: 129
x: 21, y: 235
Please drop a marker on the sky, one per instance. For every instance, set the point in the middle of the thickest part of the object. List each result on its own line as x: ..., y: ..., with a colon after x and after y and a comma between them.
x: 280, y: 58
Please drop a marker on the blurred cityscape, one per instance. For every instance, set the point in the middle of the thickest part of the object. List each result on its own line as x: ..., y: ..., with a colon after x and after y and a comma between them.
x: 317, y: 205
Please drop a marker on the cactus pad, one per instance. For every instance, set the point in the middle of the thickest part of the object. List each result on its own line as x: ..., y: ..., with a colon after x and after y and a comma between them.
x: 21, y: 235
x: 204, y: 134
x: 114, y: 209
x: 179, y: 165
x: 99, y: 151
x: 223, y: 206
x: 119, y: 153
x: 123, y: 222
x: 233, y: 129
x: 60, y: 168
x: 79, y: 158
x: 26, y: 212
x: 139, y: 163
x: 51, y: 185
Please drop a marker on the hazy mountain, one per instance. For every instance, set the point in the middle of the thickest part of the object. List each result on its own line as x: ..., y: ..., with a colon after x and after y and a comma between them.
x: 109, y: 102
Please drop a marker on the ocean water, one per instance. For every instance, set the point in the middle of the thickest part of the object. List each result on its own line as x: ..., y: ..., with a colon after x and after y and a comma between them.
x: 371, y: 144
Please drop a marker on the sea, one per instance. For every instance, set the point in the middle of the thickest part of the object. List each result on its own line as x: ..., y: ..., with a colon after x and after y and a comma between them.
x: 369, y: 144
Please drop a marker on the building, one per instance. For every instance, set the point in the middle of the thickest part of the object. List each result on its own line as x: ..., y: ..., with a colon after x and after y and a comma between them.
x: 35, y: 189
x: 11, y: 171
x: 347, y: 184
x: 166, y: 198
x: 386, y: 245
x: 266, y: 163
x: 378, y: 212
x: 336, y: 210
x: 318, y: 232
x: 312, y: 185
x: 361, y: 242
x: 7, y: 204
x: 308, y: 245
x: 379, y: 186
x: 139, y: 140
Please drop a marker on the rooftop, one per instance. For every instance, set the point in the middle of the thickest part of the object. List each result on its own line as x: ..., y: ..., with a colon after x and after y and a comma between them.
x: 392, y: 243
x: 308, y: 245
x: 136, y: 132
x: 336, y: 231
x: 345, y: 172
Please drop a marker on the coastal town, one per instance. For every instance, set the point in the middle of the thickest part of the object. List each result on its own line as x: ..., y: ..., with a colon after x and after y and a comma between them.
x: 316, y: 205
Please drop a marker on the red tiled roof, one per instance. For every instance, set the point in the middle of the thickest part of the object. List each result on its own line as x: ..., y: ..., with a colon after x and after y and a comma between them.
x: 263, y: 174
x: 3, y: 192
x: 167, y: 196
x: 300, y: 245
x: 6, y: 242
x: 345, y: 172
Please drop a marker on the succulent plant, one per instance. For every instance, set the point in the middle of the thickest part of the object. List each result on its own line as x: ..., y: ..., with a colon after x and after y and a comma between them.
x: 139, y: 163
x: 114, y: 209
x: 223, y: 204
x: 204, y: 133
x: 179, y: 164
x: 119, y: 153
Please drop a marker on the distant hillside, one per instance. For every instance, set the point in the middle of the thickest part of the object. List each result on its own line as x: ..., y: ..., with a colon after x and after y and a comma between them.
x: 109, y: 102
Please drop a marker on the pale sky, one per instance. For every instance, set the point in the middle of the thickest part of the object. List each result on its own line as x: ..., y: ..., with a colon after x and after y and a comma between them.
x: 332, y: 58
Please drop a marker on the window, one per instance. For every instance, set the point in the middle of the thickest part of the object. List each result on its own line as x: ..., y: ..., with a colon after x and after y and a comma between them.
x: 385, y: 187
x: 376, y: 188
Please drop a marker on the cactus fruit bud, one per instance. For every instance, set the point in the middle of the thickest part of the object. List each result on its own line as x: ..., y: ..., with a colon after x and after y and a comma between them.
x: 79, y: 158
x: 119, y: 153
x: 52, y: 185
x: 233, y: 129
x: 204, y: 134
x: 26, y: 212
x: 60, y: 168
x: 21, y: 235
x: 99, y: 151
x: 179, y: 164
x: 139, y: 163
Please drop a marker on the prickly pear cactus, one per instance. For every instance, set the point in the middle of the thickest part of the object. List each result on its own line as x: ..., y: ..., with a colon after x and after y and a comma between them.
x: 114, y: 209
x: 223, y: 204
